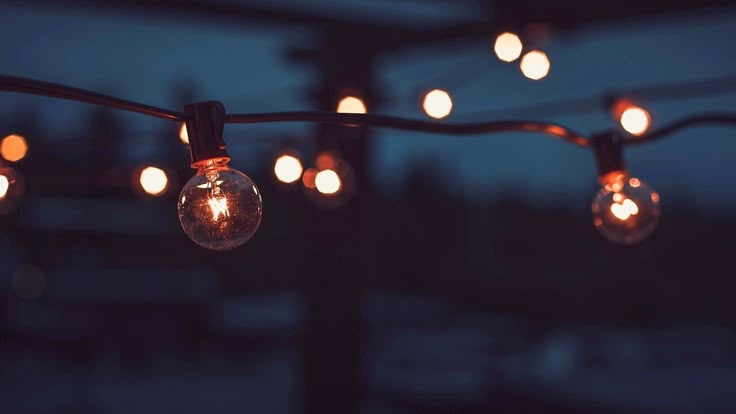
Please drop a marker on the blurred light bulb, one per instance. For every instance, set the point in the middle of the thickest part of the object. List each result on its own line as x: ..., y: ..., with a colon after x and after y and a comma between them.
x: 508, y: 47
x: 309, y: 177
x: 626, y: 210
x: 288, y: 169
x: 437, y: 104
x: 4, y: 186
x: 635, y: 120
x: 328, y: 182
x: 153, y: 180
x: 220, y: 208
x: 351, y: 105
x: 13, y: 148
x: 535, y: 65
x: 183, y: 134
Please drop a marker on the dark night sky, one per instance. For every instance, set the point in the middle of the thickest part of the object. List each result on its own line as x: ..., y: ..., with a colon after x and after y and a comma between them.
x: 144, y: 58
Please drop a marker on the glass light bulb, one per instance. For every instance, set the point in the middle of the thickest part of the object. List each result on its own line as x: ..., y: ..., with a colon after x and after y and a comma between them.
x: 626, y: 210
x: 220, y: 208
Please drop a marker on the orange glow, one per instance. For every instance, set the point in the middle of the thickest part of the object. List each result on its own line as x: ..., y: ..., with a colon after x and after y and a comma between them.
x: 635, y: 120
x: 618, y: 197
x: 308, y: 177
x: 437, y: 104
x: 218, y: 205
x: 655, y: 197
x: 288, y: 169
x: 623, y: 211
x: 13, y: 148
x: 4, y: 186
x: 183, y: 134
x: 535, y: 65
x: 351, y: 105
x: 325, y: 161
x: 634, y: 182
x: 327, y: 182
x: 508, y: 47
x: 153, y: 180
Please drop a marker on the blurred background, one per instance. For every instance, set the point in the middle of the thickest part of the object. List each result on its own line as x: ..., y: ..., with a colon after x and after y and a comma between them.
x: 426, y: 273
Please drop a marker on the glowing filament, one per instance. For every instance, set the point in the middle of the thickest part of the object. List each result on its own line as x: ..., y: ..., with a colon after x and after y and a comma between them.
x: 218, y: 205
x: 624, y: 210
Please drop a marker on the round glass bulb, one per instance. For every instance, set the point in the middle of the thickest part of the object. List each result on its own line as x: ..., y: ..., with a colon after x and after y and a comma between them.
x: 626, y: 210
x: 220, y: 208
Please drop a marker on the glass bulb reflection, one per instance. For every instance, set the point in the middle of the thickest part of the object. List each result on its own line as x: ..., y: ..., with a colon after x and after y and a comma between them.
x: 220, y: 208
x: 626, y: 210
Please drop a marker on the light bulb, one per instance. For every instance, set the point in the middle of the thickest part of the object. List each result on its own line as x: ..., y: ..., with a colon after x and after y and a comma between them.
x: 288, y: 168
x: 626, y: 210
x: 220, y: 208
x: 437, y: 104
x: 535, y: 65
x: 508, y: 47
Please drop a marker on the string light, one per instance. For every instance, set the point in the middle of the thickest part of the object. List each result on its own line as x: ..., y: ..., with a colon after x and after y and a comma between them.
x: 288, y: 168
x: 13, y: 148
x: 437, y: 104
x: 351, y: 105
x: 535, y: 65
x: 626, y: 210
x: 636, y: 120
x: 153, y: 180
x: 220, y: 208
x: 4, y: 186
x: 328, y: 182
x: 633, y: 118
x: 508, y: 47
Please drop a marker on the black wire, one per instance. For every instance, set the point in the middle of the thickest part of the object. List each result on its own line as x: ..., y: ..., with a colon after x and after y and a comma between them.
x: 54, y: 90
x: 714, y: 118
x: 35, y: 87
x: 412, y: 124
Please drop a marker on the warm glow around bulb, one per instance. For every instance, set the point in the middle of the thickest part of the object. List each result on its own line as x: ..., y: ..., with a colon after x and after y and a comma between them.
x: 327, y: 182
x: 508, y: 47
x: 535, y: 65
x: 635, y: 120
x: 437, y: 104
x: 13, y: 148
x: 183, y: 134
x: 153, y: 180
x: 288, y: 169
x: 351, y: 105
x: 4, y: 186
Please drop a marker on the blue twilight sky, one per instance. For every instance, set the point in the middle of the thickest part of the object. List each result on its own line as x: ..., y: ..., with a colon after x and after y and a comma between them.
x: 143, y: 58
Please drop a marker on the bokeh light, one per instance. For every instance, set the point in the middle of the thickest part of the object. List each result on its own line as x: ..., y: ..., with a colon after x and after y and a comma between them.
x: 288, y: 169
x: 437, y: 104
x: 351, y: 105
x: 328, y: 182
x: 535, y: 65
x: 508, y: 47
x: 635, y: 120
x: 183, y: 134
x: 4, y: 186
x: 153, y: 180
x: 13, y: 148
x: 308, y: 178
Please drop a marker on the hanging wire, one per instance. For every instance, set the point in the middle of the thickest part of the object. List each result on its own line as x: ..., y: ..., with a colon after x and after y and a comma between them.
x: 30, y: 86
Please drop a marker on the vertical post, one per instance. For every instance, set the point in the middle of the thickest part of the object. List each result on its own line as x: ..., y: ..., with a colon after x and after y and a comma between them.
x: 333, y: 337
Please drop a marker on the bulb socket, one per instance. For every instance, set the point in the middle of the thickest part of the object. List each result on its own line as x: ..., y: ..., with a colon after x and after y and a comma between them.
x: 205, y: 125
x: 608, y: 152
